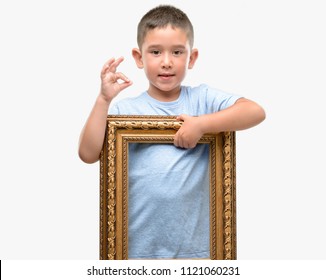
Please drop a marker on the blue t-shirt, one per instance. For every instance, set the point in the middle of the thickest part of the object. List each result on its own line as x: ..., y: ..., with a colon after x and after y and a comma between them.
x: 168, y: 204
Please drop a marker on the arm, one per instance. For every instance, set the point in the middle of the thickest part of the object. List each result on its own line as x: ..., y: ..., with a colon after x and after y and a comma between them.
x: 242, y: 115
x: 92, y: 136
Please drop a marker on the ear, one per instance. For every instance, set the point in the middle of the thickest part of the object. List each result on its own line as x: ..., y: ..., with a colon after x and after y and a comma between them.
x: 136, y: 53
x: 193, y: 58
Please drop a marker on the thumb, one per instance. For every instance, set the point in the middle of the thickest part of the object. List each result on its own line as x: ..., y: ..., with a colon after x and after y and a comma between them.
x: 182, y: 117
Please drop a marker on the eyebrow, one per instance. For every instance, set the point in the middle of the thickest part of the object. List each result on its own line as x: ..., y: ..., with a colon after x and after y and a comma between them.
x: 174, y: 46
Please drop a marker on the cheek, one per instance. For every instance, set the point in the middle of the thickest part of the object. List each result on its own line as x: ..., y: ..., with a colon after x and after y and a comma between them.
x: 150, y: 65
x: 184, y: 65
x: 149, y: 69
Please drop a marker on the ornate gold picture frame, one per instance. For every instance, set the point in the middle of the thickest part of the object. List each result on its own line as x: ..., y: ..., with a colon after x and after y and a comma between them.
x: 122, y: 130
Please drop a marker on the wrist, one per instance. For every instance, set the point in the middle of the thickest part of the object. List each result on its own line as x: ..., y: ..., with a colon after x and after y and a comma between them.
x: 203, y: 124
x: 208, y: 123
x: 102, y: 104
x: 103, y: 100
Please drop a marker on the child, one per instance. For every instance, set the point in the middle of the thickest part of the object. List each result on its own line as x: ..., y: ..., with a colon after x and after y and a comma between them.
x: 168, y: 210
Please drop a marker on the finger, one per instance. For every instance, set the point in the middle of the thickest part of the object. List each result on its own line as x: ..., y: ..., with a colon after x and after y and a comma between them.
x: 111, y: 65
x: 122, y: 76
x: 114, y: 65
x: 106, y: 66
x: 109, y: 62
x: 125, y: 85
x: 182, y: 117
x: 177, y: 141
x: 126, y: 81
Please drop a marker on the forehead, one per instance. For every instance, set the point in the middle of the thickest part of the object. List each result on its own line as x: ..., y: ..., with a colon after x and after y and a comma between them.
x: 166, y: 36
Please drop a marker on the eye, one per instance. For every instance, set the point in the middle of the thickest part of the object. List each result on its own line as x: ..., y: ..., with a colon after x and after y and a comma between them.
x: 177, y: 52
x: 155, y: 52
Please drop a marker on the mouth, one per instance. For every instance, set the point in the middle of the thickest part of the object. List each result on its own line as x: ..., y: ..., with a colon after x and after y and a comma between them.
x: 166, y: 75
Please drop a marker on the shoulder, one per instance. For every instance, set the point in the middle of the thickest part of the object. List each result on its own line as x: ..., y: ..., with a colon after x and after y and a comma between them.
x: 124, y: 105
x: 127, y: 100
x: 203, y: 90
x: 213, y: 99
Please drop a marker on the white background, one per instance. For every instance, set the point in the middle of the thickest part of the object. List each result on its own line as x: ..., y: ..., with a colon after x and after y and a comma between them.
x: 51, y: 55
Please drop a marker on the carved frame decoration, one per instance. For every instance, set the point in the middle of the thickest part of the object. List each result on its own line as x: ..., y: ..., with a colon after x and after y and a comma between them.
x: 122, y: 130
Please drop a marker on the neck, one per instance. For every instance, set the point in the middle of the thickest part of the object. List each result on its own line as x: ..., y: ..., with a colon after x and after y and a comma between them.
x: 165, y: 96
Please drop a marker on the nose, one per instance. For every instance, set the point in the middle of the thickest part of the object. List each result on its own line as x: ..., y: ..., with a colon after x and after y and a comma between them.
x: 166, y: 61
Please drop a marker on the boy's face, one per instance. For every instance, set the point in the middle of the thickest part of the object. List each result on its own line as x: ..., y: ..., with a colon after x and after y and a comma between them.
x: 165, y: 56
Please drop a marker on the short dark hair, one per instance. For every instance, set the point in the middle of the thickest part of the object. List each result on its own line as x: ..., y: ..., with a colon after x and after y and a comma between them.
x: 161, y: 17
